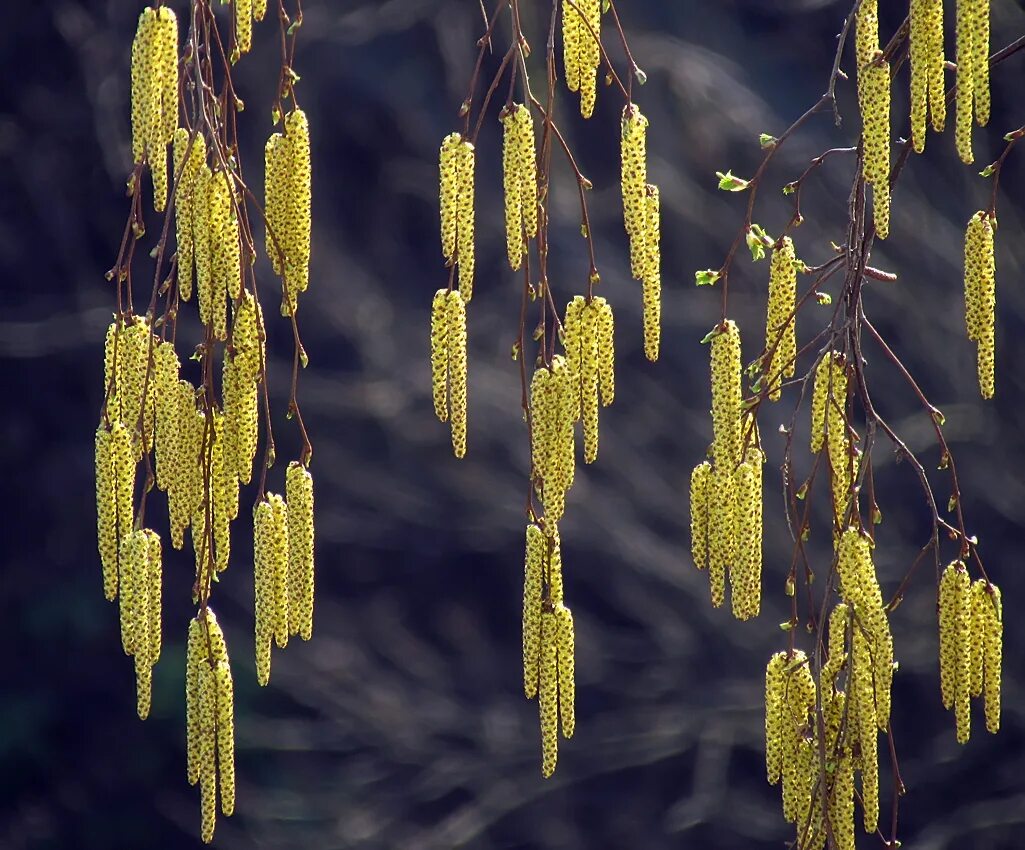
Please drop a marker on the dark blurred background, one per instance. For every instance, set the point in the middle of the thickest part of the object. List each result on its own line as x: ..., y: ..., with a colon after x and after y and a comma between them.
x: 403, y: 723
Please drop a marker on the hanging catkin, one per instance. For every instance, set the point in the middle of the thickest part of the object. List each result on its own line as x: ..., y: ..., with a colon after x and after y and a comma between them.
x: 780, y: 322
x: 299, y: 498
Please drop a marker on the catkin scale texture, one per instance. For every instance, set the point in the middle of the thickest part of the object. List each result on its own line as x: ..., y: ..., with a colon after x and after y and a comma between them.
x: 780, y: 326
x: 567, y: 686
x: 106, y: 512
x: 980, y: 296
x: 299, y: 498
x: 746, y: 571
x: 548, y: 694
x: 456, y: 339
x: 700, y: 482
x: 519, y: 177
x: 536, y: 548
x: 651, y: 277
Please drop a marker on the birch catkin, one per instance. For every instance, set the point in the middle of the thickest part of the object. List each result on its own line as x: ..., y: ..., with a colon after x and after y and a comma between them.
x: 299, y: 497
x: 548, y: 694
x: 456, y: 338
x: 700, y: 480
x: 746, y: 572
x: 780, y: 322
x: 106, y: 512
x: 651, y: 278
x: 188, y: 169
x: 566, y: 663
x: 519, y: 174
x: 980, y: 295
x: 536, y: 547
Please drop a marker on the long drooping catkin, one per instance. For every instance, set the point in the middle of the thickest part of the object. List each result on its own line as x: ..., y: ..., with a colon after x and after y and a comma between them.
x: 203, y: 244
x: 439, y: 354
x: 548, y: 694
x: 270, y: 548
x: 956, y: 633
x: 552, y: 405
x: 746, y: 571
x: 965, y: 97
x: 535, y: 552
x: 633, y: 180
x: 299, y: 497
x: 566, y: 662
x: 988, y: 614
x: 775, y: 692
x: 299, y: 226
x: 243, y: 25
x: 571, y: 39
x: 874, y: 91
x: 224, y: 260
x: 651, y: 277
x: 124, y: 477
x: 276, y: 199
x: 980, y: 295
x: 780, y: 322
x: 188, y: 169
x: 519, y: 172
x: 927, y: 92
x: 195, y: 654
x: 456, y: 339
x: 700, y: 481
x: 168, y: 429
x: 585, y: 359
x: 106, y: 512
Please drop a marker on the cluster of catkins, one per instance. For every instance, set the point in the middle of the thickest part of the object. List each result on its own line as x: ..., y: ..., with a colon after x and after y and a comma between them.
x: 548, y: 640
x: 971, y: 646
x: 283, y: 555
x: 209, y: 719
x: 980, y: 295
x: 197, y: 450
x: 581, y: 49
x: 927, y: 61
x: 726, y: 494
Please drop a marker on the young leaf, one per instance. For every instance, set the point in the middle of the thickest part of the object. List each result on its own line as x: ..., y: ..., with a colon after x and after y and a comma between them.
x: 729, y: 182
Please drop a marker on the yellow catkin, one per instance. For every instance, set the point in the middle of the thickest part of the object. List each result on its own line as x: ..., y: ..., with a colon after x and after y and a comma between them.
x: 154, y: 590
x: 188, y: 169
x: 168, y: 63
x: 838, y: 442
x: 841, y: 802
x: 106, y: 512
x: 259, y: 9
x: 838, y: 621
x: 575, y: 342
x: 203, y: 244
x: 992, y: 622
x: 588, y: 373
x: 124, y: 477
x: 456, y: 339
x: 861, y: 589
x: 965, y: 95
x: 875, y: 114
x: 219, y: 222
x: 937, y: 87
x: 606, y: 352
x: 746, y: 571
x: 825, y: 394
x: 535, y: 552
x: 867, y: 731
x: 243, y: 25
x: 798, y: 702
x: 921, y: 48
x: 651, y: 282
x: 700, y: 481
x: 512, y: 185
x: 980, y: 597
x: 552, y: 564
x: 439, y: 354
x: 780, y: 326
x: 195, y: 654
x: 980, y: 12
x: 566, y: 662
x: 548, y: 694
x: 726, y: 427
x: 633, y: 180
x: 298, y: 227
x: 947, y: 613
x: 263, y: 557
x: 207, y: 750
x: 955, y: 616
x: 278, y: 543
x: 112, y: 346
x: 562, y: 449
x: 248, y: 337
x: 540, y: 424
x: 527, y: 169
x: 299, y: 498
x: 144, y: 72
x: 466, y: 161
x: 590, y: 54
x: 133, y: 366
x: 226, y: 736
x: 571, y: 40
x: 132, y: 562
x: 223, y: 495
x: 980, y: 296
x: 276, y: 199
x: 448, y: 169
x: 866, y: 34
x: 775, y: 692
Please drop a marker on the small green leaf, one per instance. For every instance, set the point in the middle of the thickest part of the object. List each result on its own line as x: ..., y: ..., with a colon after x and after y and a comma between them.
x: 708, y: 277
x: 938, y: 417
x: 767, y: 141
x: 802, y: 491
x: 786, y: 625
x: 729, y: 182
x: 294, y: 26
x: 757, y: 240
x: 790, y: 188
x: 824, y: 298
x: 712, y: 334
x: 642, y: 78
x: 988, y: 170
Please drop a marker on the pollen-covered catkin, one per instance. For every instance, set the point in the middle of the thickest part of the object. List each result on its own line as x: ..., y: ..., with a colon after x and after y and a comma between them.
x: 548, y: 694
x: 980, y: 12
x: 606, y: 352
x: 566, y: 661
x: 651, y: 279
x: 574, y: 342
x: 188, y: 169
x: 571, y: 39
x: 223, y: 494
x: 926, y: 69
x: 219, y: 224
x: 448, y: 168
x: 536, y: 548
x: 775, y: 692
x: 259, y: 9
x: 991, y: 627
x: 456, y: 339
x: 746, y: 570
x: 155, y: 94
x: 633, y: 180
x: 243, y: 25
x: 165, y: 384
x: 980, y: 295
x: 552, y: 565
x: 588, y: 377
x: 276, y: 199
x: 207, y: 750
x: 589, y: 29
x: 780, y: 322
x: 519, y: 177
x: 466, y: 161
x: 955, y: 620
x: 195, y: 654
x: 874, y: 91
x: 838, y: 621
x: 154, y: 590
x: 439, y: 354
x: 700, y: 481
x: 298, y: 229
x: 144, y: 74
x: 299, y: 498
x: 124, y: 475
x: 798, y: 701
x: 264, y: 566
x: 277, y: 540
x: 824, y: 394
x: 106, y: 512
x: 726, y: 427
x: 202, y: 244
x: 965, y: 95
